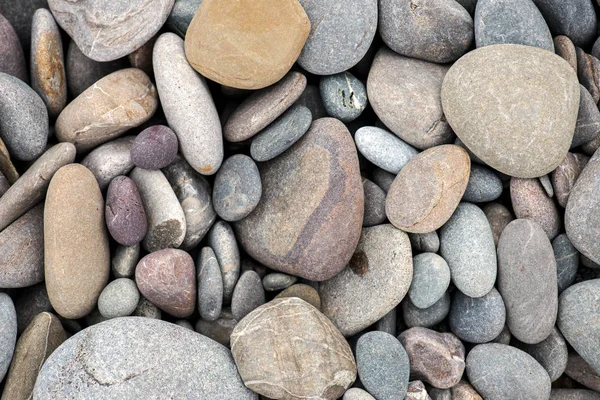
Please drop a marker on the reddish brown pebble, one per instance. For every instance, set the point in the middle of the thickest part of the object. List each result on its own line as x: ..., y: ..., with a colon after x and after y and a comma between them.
x: 530, y: 201
x: 566, y: 49
x: 125, y: 215
x: 565, y: 175
x: 168, y: 279
x: 463, y: 391
x: 154, y: 148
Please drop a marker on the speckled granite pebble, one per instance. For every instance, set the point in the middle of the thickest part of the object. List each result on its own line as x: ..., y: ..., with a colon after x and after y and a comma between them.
x: 119, y: 298
x: 483, y: 186
x: 431, y: 278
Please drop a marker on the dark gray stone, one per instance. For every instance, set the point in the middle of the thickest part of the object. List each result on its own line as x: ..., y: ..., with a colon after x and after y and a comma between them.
x: 527, y: 280
x: 498, y: 371
x: 181, y: 15
x: 388, y: 323
x: 383, y: 365
x: 511, y: 21
x: 431, y: 278
x: 581, y: 372
x: 311, y: 99
x: 424, y: 242
x: 588, y: 70
x: 588, y: 119
x: 434, y: 30
x: 477, y: 320
x: 484, y: 185
x: 219, y: 329
x: 20, y: 15
x: 575, y: 19
x: 154, y: 148
x: 278, y: 281
x: 383, y: 179
x: 551, y: 353
x: 374, y: 204
x: 504, y: 337
x: 8, y: 332
x: 344, y: 96
x: 30, y: 302
x: 428, y: 317
x: 469, y: 5
x: 383, y: 148
x: 119, y: 298
x: 146, y: 309
x: 12, y: 60
x: 567, y: 261
x: 110, y: 160
x: 237, y: 188
x: 210, y: 285
x: 222, y: 240
x: 247, y: 295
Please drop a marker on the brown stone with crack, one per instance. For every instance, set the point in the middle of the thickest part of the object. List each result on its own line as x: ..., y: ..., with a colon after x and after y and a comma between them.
x: 286, y: 349
x: 428, y: 189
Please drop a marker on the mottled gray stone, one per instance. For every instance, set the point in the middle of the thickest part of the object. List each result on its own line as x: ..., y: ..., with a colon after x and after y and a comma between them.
x: 311, y: 99
x: 210, y: 285
x: 431, y: 278
x: 181, y: 15
x: 106, y: 30
x: 374, y: 204
x: 477, y: 320
x: 428, y: 317
x: 499, y: 372
x: 281, y: 134
x: 405, y: 95
x: 551, y: 353
x: 573, y: 394
x: 383, y: 365
x: 340, y: 35
x: 566, y: 174
x: 344, y: 96
x: 111, y: 361
x: 237, y: 188
x: 484, y: 185
x: 185, y: 324
x: 434, y: 30
x: 154, y: 148
x: 119, y: 298
x: 388, y: 323
x: 424, y: 242
x: 222, y: 240
x: 188, y: 105
x: 194, y: 194
x: 247, y: 295
x: 8, y: 332
x: 110, y: 160
x: 467, y: 245
x: 504, y: 337
x: 498, y: 216
x: 511, y: 21
x: 375, y: 281
x: 440, y: 394
x: 530, y: 201
x: 383, y: 149
x: 564, y: 47
x: 124, y: 260
x: 588, y: 119
x: 578, y: 320
x: 417, y: 391
x: 567, y: 261
x: 13, y: 60
x: 575, y: 19
x: 278, y: 281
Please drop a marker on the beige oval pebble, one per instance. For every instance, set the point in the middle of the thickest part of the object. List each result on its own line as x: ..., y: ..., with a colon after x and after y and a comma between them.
x: 116, y: 103
x: 76, y: 254
x: 428, y: 189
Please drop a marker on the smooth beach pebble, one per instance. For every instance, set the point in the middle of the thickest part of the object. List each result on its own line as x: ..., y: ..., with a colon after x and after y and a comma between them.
x: 210, y: 285
x: 8, y: 332
x: 530, y: 201
x: 477, y: 320
x: 125, y: 215
x: 431, y: 278
x: 110, y: 160
x: 484, y: 185
x: 304, y: 292
x: 181, y: 15
x: 344, y: 96
x: 426, y: 317
x: 119, y: 298
x: 222, y: 240
x: 383, y: 149
x: 124, y: 260
x: 277, y: 281
x: 154, y: 148
x: 374, y: 204
x: 247, y: 295
x: 237, y: 188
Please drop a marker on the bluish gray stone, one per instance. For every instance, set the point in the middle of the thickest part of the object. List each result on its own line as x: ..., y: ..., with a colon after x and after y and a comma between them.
x: 247, y: 295
x: 551, y: 353
x: 374, y: 204
x: 424, y: 242
x: 431, y: 278
x: 511, y: 22
x: 181, y: 15
x: 222, y: 240
x: 588, y: 119
x: 119, y: 298
x: 383, y: 148
x: 388, y: 323
x: 131, y: 357
x: 383, y: 365
x: 484, y: 185
x: 567, y: 261
x: 477, y: 320
x: 281, y: 134
x: 278, y: 281
x: 210, y: 285
x: 344, y: 96
x: 427, y: 317
x: 237, y: 188
x: 498, y: 371
x: 467, y: 245
x: 8, y: 332
x: 575, y: 19
x: 527, y: 280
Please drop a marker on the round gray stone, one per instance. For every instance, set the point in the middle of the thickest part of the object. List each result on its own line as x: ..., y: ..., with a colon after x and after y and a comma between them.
x: 344, y: 96
x: 222, y: 240
x: 247, y: 295
x: 499, y: 371
x: 181, y: 15
x: 110, y: 160
x: 383, y: 179
x: 477, y: 320
x: 383, y: 365
x: 119, y: 298
x: 551, y: 353
x: 511, y: 21
x: 424, y: 242
x: 467, y: 245
x: 427, y: 317
x: 431, y: 278
x: 210, y: 285
x: 374, y: 204
x: 575, y: 19
x: 8, y: 332
x: 567, y: 261
x: 383, y: 148
x: 484, y: 185
x: 237, y: 188
x: 278, y: 281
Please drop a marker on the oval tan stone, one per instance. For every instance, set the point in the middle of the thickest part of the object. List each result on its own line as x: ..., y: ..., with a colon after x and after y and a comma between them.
x: 428, y: 189
x: 116, y: 103
x: 286, y: 349
x: 246, y: 44
x: 515, y: 107
x: 76, y: 254
x: 309, y: 219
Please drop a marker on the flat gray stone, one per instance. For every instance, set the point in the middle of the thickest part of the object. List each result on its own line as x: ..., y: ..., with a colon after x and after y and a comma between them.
x: 119, y: 298
x: 439, y: 31
x: 427, y: 317
x: 467, y: 245
x: 511, y: 21
x: 340, y: 35
x: 575, y: 19
x: 237, y: 188
x: 567, y: 261
x: 383, y: 365
x: 431, y: 278
x: 247, y: 295
x: 223, y: 242
x: 551, y: 353
x: 477, y: 320
x: 374, y: 204
x: 181, y: 15
x: 210, y: 285
x: 527, y: 280
x: 383, y: 148
x: 484, y: 185
x: 499, y: 371
x: 128, y: 357
x: 8, y: 332
x: 110, y: 160
x: 424, y: 242
x: 344, y: 96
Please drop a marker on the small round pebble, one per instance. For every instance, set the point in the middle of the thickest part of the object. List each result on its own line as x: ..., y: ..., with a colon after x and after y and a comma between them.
x: 119, y: 298
x: 278, y: 281
x: 484, y: 185
x: 154, y: 148
x: 247, y: 295
x: 431, y: 278
x: 384, y: 149
x: 477, y: 320
x: 147, y: 309
x: 124, y: 212
x: 344, y: 96
x: 210, y: 285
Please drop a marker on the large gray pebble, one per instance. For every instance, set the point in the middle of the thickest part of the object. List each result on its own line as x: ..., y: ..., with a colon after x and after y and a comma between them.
x: 237, y: 188
x: 344, y: 96
x: 383, y: 365
x: 247, y: 295
x: 383, y: 148
x: 551, y: 353
x: 8, y: 332
x: 131, y: 357
x: 374, y: 204
x: 484, y: 185
x: 527, y: 280
x: 278, y: 281
x: 119, y: 298
x: 567, y: 261
x: 210, y: 285
x: 500, y: 372
x: 477, y: 320
x: 467, y: 245
x: 110, y: 160
x: 431, y: 278
x: 427, y: 317
x: 511, y: 21
x: 575, y: 19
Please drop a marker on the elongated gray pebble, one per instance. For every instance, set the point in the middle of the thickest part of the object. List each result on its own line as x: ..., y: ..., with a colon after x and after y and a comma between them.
x: 426, y: 317
x: 567, y: 261
x: 124, y: 260
x: 424, y: 242
x: 119, y: 298
x: 551, y: 353
x: 248, y: 294
x: 110, y: 160
x: 223, y: 242
x: 374, y: 204
x: 210, y: 285
x: 277, y: 281
x: 181, y: 15
x: 237, y: 188
x: 383, y: 148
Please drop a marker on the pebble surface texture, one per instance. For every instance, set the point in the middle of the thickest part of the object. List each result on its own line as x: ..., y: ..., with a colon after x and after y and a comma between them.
x: 8, y: 332
x: 383, y: 149
x: 111, y: 361
x: 154, y: 148
x: 246, y: 44
x: 477, y: 320
x: 110, y: 160
x: 486, y: 111
x: 237, y: 188
x: 530, y: 201
x: 106, y: 30
x: 13, y: 60
x: 76, y: 247
x: 125, y: 215
x: 575, y: 19
x: 287, y: 349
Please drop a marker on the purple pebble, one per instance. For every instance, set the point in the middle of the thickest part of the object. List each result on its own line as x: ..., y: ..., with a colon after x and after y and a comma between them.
x: 125, y: 215
x: 154, y: 148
